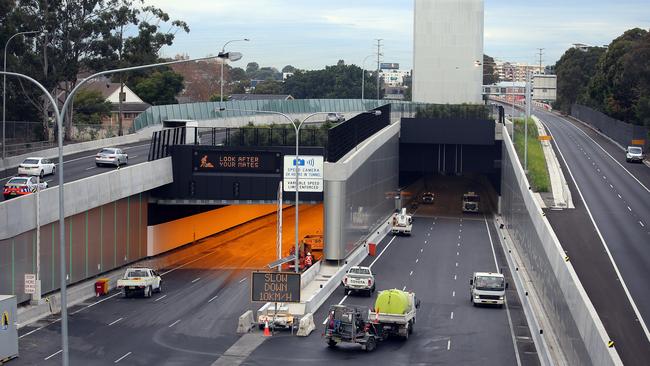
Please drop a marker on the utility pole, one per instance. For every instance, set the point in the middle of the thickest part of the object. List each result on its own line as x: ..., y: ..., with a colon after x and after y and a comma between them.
x: 379, y: 54
x: 540, y: 59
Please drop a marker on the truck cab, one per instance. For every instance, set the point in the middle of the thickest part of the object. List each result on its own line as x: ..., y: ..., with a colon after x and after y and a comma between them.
x: 471, y: 202
x: 487, y: 288
x: 402, y: 223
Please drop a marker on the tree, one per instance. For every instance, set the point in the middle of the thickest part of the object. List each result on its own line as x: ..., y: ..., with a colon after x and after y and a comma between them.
x: 574, y: 70
x: 160, y: 88
x: 90, y: 106
x: 268, y: 87
x: 339, y: 82
x: 288, y: 68
x: 237, y: 74
x: 489, y: 75
x: 252, y: 67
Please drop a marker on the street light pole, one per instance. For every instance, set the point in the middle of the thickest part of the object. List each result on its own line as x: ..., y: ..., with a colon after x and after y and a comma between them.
x: 223, y: 50
x: 4, y: 88
x: 363, y: 75
x: 528, y: 105
x: 60, y: 115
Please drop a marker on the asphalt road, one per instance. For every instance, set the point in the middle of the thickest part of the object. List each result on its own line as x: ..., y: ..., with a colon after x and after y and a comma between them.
x: 615, y: 193
x: 82, y: 165
x: 436, y: 262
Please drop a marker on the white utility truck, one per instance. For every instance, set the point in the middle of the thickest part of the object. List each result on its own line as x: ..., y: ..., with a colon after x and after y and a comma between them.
x: 395, y: 312
x: 471, y: 202
x: 402, y: 223
x: 139, y: 280
x: 359, y: 279
x: 487, y: 288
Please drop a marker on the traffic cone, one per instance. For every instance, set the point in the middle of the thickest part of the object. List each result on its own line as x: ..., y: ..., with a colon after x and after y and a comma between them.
x: 267, y: 332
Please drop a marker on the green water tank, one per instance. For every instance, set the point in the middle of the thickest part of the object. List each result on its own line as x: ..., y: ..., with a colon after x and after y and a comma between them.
x: 392, y: 301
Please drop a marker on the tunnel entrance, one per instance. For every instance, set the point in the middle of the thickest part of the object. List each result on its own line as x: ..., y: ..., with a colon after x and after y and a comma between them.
x: 449, y: 158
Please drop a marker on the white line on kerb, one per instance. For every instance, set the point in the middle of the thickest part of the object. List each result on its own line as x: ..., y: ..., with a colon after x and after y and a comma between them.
x: 382, y: 252
x: 174, y: 323
x: 196, y: 279
x: 340, y: 302
x: 115, y: 321
x: 52, y: 355
x: 212, y: 299
x: 160, y: 298
x: 123, y: 357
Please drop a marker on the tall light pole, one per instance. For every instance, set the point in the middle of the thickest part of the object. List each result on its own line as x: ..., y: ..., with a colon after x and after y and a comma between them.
x: 223, y: 50
x: 296, y: 163
x: 4, y: 87
x: 59, y: 119
x: 528, y: 100
x: 363, y: 75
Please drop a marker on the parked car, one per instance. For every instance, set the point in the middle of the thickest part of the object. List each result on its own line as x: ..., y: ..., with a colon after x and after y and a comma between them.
x: 36, y: 166
x: 21, y: 185
x: 634, y: 154
x: 335, y: 117
x: 111, y: 156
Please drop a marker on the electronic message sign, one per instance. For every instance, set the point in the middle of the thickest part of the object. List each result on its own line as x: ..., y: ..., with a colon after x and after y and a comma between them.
x: 275, y: 287
x: 237, y: 161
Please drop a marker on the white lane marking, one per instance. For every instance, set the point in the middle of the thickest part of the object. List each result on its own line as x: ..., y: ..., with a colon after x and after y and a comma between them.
x: 417, y: 260
x: 212, y: 299
x: 52, y: 355
x: 91, y: 167
x: 382, y: 252
x: 404, y: 288
x: 33, y: 331
x: 491, y: 244
x: 242, y: 280
x: 604, y: 177
x: 198, y: 278
x: 123, y: 357
x: 629, y: 209
x: 453, y: 294
x: 95, y: 303
x: 456, y: 264
x: 421, y: 250
x: 452, y: 315
x: 448, y: 344
x: 611, y: 186
x: 428, y: 234
x: 411, y: 274
x: 458, y: 244
x: 619, y: 196
x: 425, y: 242
x: 174, y: 323
x: 460, y: 230
x: 454, y: 277
x: 641, y: 223
x: 49, y: 180
x: 134, y: 156
x: 160, y: 298
x: 616, y: 161
x: 114, y: 321
x: 458, y: 236
x: 600, y: 235
x: 598, y: 169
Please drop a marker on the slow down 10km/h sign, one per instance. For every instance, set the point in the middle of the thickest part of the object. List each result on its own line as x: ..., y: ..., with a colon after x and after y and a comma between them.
x: 275, y: 287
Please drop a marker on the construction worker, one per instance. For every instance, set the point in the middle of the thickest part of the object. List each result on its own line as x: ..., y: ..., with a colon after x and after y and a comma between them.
x: 308, y: 260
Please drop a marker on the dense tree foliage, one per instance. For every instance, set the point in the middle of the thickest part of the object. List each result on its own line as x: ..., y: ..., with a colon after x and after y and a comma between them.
x: 574, y: 70
x: 161, y: 87
x: 90, y: 107
x: 340, y: 81
x: 489, y: 76
x: 268, y: 87
x: 82, y: 37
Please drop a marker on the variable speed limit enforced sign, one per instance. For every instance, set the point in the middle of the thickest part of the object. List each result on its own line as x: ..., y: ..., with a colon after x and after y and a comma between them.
x: 275, y: 287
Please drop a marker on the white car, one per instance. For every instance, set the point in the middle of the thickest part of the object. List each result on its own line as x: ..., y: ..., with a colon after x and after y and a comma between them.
x: 36, y: 166
x: 111, y: 156
x: 140, y: 280
x: 335, y: 117
x: 634, y: 153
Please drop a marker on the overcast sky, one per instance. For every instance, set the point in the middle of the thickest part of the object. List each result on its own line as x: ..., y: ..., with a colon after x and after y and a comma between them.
x: 310, y: 34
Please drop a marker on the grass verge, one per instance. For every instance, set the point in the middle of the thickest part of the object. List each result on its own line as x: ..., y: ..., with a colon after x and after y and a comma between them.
x: 537, y: 169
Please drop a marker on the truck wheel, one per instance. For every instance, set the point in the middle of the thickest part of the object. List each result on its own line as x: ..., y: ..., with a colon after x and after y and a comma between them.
x: 407, y: 331
x: 371, y: 344
x: 410, y: 327
x: 331, y: 343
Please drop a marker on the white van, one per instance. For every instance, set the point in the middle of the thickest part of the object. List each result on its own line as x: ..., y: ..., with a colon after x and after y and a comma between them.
x: 191, y: 129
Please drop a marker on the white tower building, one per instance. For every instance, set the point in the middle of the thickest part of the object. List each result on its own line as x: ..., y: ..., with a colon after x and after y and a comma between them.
x: 448, y: 51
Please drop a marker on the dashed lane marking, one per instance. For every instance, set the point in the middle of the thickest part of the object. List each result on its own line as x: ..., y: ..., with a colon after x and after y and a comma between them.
x: 641, y: 223
x: 242, y: 280
x: 619, y: 196
x: 52, y: 355
x: 114, y: 321
x: 160, y: 298
x: 629, y: 209
x: 452, y: 315
x: 174, y: 323
x: 411, y: 274
x: 448, y: 344
x: 198, y: 278
x: 123, y: 357
x: 212, y: 299
x: 453, y: 294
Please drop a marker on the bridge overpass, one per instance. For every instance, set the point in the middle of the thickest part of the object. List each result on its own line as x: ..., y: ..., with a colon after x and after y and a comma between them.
x: 366, y: 177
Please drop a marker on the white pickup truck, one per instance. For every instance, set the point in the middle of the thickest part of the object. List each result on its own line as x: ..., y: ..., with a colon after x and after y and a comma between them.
x: 402, y: 223
x: 143, y: 281
x: 359, y: 279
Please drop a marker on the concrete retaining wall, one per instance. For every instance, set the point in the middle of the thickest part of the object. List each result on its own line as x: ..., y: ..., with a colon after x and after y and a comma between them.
x: 18, y: 215
x: 581, y: 335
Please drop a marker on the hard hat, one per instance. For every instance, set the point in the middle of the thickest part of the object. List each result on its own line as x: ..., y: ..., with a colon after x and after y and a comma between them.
x: 308, y: 253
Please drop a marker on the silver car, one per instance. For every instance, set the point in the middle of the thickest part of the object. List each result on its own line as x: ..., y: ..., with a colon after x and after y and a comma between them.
x: 111, y: 156
x: 634, y: 153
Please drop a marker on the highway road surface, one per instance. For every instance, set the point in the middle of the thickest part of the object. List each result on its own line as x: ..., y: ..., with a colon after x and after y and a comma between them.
x: 436, y: 262
x: 611, y: 224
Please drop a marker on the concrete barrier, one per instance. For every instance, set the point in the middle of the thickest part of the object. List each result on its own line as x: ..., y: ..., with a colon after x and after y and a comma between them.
x: 306, y: 325
x: 246, y: 322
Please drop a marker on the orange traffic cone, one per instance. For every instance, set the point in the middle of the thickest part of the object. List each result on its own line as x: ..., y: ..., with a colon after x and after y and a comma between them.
x: 267, y: 332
